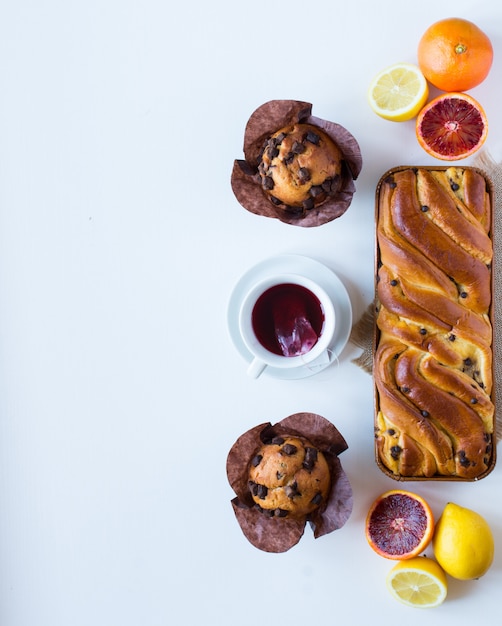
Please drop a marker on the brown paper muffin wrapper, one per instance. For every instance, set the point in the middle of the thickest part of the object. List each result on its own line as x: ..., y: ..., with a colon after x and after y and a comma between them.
x: 273, y: 534
x: 263, y: 123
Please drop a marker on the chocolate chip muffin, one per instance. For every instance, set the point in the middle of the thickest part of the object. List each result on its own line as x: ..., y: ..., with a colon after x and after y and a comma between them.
x: 300, y: 167
x: 289, y: 477
x: 308, y: 446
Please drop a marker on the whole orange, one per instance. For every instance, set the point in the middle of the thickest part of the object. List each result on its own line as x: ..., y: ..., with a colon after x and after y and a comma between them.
x: 454, y: 54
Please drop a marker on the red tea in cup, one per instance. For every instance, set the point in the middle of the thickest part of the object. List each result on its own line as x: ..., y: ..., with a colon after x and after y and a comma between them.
x: 288, y: 319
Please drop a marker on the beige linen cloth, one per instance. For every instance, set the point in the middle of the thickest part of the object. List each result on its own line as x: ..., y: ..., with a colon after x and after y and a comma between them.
x: 362, y: 332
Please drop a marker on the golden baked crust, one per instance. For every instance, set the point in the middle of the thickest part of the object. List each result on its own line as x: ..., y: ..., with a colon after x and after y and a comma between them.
x: 433, y: 358
x: 289, y: 477
x: 300, y: 167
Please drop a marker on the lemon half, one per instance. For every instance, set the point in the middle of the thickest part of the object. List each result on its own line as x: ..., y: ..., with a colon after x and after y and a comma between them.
x: 419, y: 582
x: 399, y: 92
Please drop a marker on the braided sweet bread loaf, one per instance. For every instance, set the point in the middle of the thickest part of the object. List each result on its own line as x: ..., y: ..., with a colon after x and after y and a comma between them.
x: 433, y: 352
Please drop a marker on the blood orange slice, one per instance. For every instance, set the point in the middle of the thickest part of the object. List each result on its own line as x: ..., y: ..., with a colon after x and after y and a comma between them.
x: 399, y: 525
x: 452, y: 126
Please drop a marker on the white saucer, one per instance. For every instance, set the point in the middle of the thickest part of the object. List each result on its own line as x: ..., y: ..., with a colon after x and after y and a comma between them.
x: 325, y: 277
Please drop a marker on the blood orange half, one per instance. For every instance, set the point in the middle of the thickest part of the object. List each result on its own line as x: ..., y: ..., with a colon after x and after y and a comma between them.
x: 399, y: 525
x: 452, y: 126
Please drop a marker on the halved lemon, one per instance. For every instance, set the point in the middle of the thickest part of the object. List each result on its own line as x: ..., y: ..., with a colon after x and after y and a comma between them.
x: 399, y: 92
x: 418, y: 582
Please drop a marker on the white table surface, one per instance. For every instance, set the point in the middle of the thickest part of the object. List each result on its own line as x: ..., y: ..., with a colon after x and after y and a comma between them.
x: 120, y: 243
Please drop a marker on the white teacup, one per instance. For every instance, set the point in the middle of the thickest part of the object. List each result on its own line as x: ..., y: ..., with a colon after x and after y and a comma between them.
x: 257, y: 322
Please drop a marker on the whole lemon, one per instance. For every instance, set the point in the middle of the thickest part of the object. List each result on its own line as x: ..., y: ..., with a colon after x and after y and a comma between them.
x: 463, y: 543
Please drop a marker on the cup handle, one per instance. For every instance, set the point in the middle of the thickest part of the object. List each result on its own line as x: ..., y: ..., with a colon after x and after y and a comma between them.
x: 256, y: 367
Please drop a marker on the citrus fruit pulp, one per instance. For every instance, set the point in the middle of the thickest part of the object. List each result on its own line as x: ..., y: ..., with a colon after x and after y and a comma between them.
x: 454, y: 54
x: 418, y: 582
x: 399, y: 525
x: 397, y: 93
x: 463, y: 543
x: 452, y: 126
